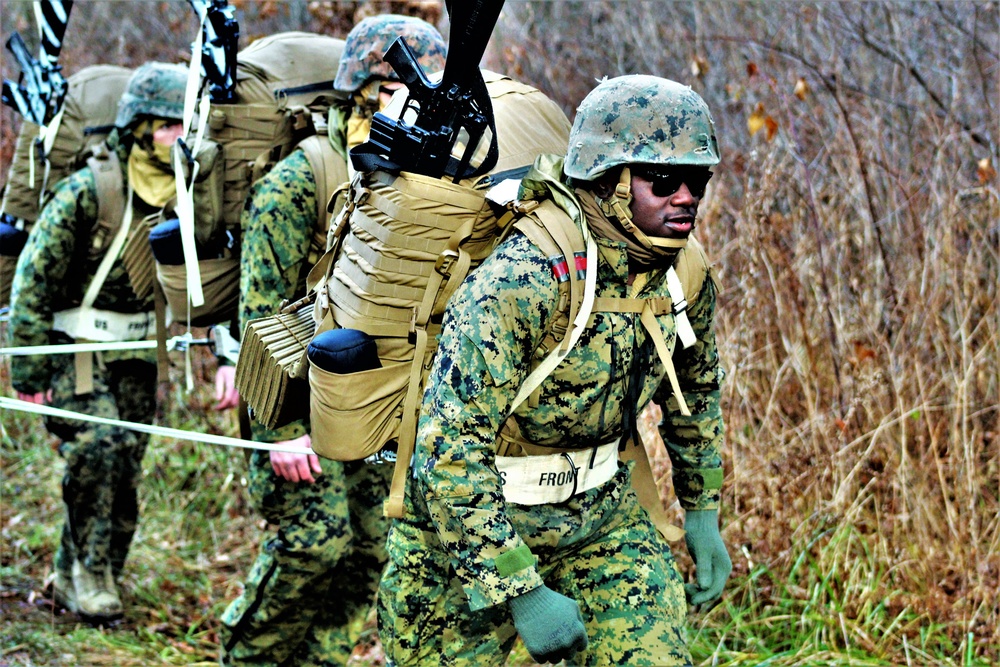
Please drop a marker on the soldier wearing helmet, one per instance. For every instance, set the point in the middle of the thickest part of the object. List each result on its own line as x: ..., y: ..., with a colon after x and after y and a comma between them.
x: 310, y: 590
x: 71, y: 285
x: 523, y: 516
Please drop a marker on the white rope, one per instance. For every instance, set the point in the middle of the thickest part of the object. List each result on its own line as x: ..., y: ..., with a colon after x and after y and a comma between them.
x: 73, y: 348
x: 230, y: 348
x: 193, y: 436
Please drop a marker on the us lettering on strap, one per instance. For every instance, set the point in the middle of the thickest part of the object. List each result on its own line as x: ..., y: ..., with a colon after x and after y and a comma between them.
x: 555, y: 478
x: 103, y: 326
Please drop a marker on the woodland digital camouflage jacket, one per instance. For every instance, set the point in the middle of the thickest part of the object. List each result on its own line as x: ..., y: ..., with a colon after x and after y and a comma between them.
x: 492, y: 327
x: 53, y: 273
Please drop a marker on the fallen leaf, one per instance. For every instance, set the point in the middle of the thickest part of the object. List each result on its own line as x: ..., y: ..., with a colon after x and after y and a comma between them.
x: 772, y: 127
x: 985, y: 171
x: 699, y: 66
x: 802, y: 89
x: 756, y: 120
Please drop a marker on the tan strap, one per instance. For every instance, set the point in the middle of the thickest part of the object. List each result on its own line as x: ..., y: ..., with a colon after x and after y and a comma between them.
x: 106, y: 168
x: 658, y: 305
x: 431, y: 189
x: 652, y: 327
x: 329, y: 171
x: 552, y: 222
x: 160, y: 310
x: 83, y: 367
x: 393, y: 507
x: 646, y: 490
x: 454, y: 272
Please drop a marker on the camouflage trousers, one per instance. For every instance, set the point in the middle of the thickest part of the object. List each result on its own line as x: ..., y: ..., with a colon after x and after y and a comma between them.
x: 313, y: 584
x: 618, y: 570
x: 103, y: 463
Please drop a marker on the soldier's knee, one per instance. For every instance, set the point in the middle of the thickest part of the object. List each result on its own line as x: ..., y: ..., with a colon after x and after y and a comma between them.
x: 314, y: 552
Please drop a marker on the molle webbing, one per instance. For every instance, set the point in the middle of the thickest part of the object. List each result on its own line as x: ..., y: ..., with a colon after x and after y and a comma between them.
x: 409, y: 243
x: 271, y: 114
x: 254, y: 137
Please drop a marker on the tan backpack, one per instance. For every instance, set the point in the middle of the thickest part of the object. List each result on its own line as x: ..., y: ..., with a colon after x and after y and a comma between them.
x: 87, y: 116
x: 284, y: 89
x: 400, y: 247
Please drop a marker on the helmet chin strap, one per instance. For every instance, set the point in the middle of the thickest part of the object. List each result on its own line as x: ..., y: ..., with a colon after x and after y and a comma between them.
x: 617, y: 207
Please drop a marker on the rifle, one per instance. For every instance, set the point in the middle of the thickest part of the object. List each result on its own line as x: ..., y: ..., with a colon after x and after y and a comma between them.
x: 221, y: 34
x: 457, y: 109
x: 39, y: 92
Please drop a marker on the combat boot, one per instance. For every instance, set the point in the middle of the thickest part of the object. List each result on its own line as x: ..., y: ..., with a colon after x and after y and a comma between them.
x: 63, y: 591
x: 96, y: 594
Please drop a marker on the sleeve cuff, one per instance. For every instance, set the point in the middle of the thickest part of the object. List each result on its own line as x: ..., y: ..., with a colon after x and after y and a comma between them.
x: 513, y: 574
x: 698, y: 488
x: 290, y: 431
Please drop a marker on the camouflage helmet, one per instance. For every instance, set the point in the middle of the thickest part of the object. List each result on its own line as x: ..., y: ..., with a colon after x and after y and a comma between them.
x: 369, y: 40
x: 155, y: 89
x: 640, y: 119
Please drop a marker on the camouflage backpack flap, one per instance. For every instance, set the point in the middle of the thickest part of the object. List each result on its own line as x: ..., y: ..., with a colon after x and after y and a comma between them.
x: 86, y: 118
x: 281, y: 81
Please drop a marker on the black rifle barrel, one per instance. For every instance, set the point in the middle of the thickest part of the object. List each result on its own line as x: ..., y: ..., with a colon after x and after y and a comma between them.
x: 472, y: 23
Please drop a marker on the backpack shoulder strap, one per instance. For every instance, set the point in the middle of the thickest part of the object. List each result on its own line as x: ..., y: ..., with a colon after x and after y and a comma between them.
x: 106, y: 167
x: 692, y: 267
x: 574, y: 264
x: 329, y: 171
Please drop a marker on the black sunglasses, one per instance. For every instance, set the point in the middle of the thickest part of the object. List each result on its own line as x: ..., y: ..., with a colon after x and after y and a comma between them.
x: 667, y: 180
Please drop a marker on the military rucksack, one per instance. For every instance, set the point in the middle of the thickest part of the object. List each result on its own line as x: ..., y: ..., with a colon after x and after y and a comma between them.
x: 399, y: 248
x: 284, y: 89
x: 86, y: 118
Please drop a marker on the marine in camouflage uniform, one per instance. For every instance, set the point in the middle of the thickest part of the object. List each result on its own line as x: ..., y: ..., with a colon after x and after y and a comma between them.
x: 103, y: 463
x: 587, y: 579
x: 312, y: 585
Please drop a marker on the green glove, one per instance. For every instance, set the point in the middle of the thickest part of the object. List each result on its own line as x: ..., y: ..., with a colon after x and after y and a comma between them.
x: 711, y: 560
x: 550, y: 624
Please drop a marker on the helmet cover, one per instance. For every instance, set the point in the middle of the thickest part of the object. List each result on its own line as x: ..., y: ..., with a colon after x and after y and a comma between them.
x: 155, y: 89
x: 640, y: 119
x: 371, y: 37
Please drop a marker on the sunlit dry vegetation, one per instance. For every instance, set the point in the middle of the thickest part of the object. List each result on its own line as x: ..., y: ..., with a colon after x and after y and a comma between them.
x: 855, y: 226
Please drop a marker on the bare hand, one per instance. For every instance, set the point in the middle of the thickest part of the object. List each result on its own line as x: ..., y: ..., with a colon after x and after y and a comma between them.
x: 225, y: 388
x: 41, y: 398
x: 295, y: 467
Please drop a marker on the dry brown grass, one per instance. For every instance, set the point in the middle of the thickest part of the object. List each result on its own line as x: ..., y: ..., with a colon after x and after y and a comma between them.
x: 856, y: 236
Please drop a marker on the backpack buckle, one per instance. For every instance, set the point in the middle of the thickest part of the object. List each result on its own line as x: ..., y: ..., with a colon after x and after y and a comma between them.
x: 445, y: 261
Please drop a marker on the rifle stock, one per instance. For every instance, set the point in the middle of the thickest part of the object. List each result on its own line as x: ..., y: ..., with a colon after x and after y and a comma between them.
x: 456, y: 109
x: 221, y: 34
x: 41, y: 88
